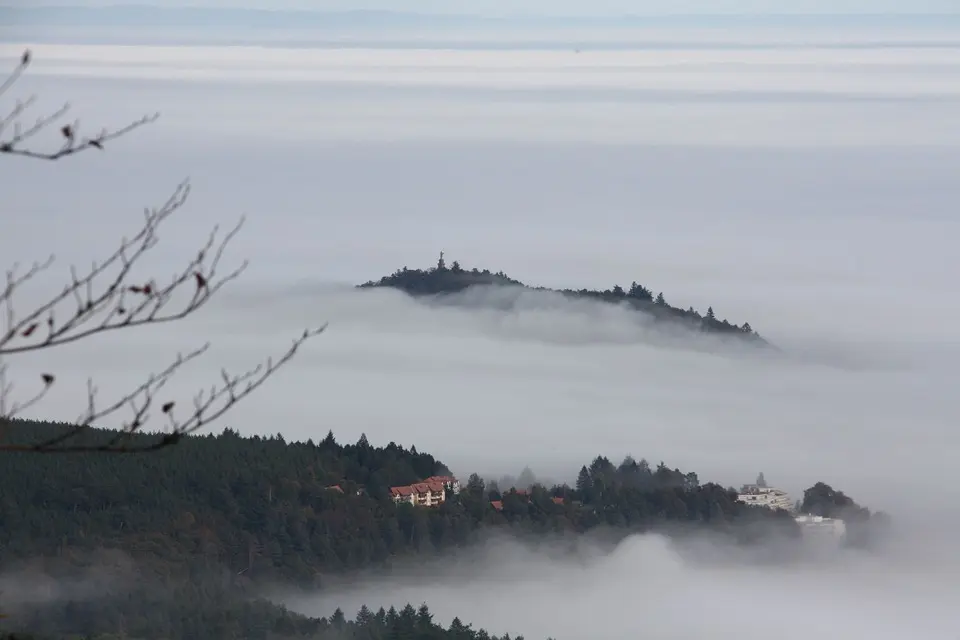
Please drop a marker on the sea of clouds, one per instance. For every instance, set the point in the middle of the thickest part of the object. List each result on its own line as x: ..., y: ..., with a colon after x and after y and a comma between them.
x: 649, y: 587
x: 810, y: 191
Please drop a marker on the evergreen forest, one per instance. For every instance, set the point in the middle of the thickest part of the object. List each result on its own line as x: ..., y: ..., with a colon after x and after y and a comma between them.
x: 179, y: 542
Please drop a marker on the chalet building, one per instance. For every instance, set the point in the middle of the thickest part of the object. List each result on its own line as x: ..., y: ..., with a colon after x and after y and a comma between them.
x: 449, y: 482
x: 429, y: 493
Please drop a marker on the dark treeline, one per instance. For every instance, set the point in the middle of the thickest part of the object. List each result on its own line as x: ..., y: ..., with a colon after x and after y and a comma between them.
x: 864, y: 529
x: 188, y: 530
x: 443, y: 279
x: 218, y: 615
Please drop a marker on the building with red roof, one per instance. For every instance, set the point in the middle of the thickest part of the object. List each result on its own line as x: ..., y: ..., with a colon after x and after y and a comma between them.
x: 429, y: 493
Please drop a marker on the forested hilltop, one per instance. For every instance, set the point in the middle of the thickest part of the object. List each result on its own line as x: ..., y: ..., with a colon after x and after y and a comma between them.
x: 443, y: 280
x: 177, y: 543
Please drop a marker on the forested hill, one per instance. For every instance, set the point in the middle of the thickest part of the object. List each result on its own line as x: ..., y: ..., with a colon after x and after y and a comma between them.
x: 177, y: 541
x: 269, y: 509
x: 442, y: 280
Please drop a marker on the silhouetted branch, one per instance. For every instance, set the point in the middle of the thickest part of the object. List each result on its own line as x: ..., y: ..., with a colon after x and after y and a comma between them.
x: 207, y: 406
x: 121, y: 303
x: 106, y: 298
x: 72, y: 141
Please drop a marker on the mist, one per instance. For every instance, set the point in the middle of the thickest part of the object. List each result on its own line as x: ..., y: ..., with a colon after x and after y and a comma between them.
x: 648, y: 586
x: 811, y: 193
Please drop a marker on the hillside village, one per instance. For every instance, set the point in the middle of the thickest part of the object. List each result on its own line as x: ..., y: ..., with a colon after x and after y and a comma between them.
x: 433, y: 492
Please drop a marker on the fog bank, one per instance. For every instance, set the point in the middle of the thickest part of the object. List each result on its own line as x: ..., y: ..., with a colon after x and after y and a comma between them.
x: 647, y: 587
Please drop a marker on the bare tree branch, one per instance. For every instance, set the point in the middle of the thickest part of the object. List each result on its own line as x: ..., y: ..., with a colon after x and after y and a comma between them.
x: 207, y: 406
x: 108, y: 298
x: 121, y: 303
x: 72, y: 141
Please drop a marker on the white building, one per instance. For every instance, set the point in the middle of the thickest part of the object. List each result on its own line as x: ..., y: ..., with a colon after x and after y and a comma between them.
x: 769, y: 497
x: 821, y: 527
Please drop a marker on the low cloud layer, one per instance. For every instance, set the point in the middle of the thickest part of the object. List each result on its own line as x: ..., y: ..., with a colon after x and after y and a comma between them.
x: 650, y: 587
x: 677, y: 87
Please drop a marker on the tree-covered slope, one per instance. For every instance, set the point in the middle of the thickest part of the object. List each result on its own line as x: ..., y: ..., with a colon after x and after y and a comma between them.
x: 212, y: 613
x: 444, y: 280
x: 266, y: 509
x: 178, y: 543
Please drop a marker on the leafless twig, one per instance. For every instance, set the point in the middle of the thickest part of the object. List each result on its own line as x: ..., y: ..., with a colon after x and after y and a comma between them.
x: 207, y: 406
x: 107, y: 298
x: 121, y: 303
x: 73, y: 142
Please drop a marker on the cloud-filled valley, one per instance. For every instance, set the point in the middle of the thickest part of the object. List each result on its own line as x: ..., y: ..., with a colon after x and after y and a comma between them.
x: 810, y: 192
x: 647, y: 586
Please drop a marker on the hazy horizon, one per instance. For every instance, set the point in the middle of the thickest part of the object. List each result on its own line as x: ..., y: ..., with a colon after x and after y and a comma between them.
x: 808, y: 190
x: 499, y: 8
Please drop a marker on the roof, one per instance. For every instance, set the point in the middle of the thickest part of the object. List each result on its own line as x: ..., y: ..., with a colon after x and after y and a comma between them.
x: 557, y: 501
x: 418, y: 487
x: 497, y: 504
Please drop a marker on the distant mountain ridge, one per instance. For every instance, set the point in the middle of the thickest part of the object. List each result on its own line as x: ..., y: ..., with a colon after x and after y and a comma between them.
x: 148, y: 15
x: 442, y: 280
x: 144, y: 15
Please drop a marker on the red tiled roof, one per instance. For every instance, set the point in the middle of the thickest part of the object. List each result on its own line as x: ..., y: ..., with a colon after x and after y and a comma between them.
x: 557, y: 501
x: 497, y: 504
x: 443, y: 479
x: 418, y: 487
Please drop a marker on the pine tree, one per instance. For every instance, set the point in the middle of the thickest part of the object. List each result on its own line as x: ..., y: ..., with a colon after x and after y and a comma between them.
x: 424, y: 618
x: 338, y: 620
x: 475, y: 486
x: 364, y: 616
x: 583, y: 481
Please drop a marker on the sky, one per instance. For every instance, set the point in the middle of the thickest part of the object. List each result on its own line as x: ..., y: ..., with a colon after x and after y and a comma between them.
x: 808, y: 189
x: 567, y: 7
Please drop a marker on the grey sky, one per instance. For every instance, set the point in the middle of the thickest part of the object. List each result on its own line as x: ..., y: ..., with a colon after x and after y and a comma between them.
x: 811, y: 193
x: 571, y: 7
